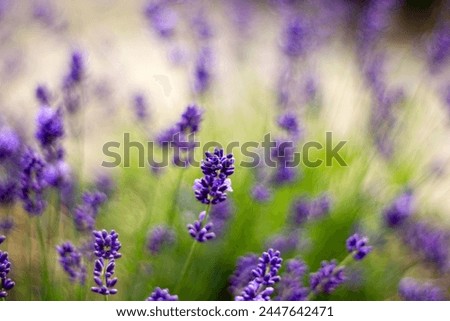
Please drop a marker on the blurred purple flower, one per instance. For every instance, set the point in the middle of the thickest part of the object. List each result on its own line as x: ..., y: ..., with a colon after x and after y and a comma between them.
x: 140, y: 106
x: 105, y: 183
x: 159, y: 294
x: 260, y: 193
x: 203, y: 70
x: 289, y: 122
x: 86, y: 213
x: 159, y: 237
x: 43, y: 95
x: 291, y: 285
x: 410, y: 289
x: 32, y: 183
x: 202, y: 26
x: 430, y: 243
x: 327, y: 278
x: 6, y: 225
x: 439, y: 47
x: 220, y: 215
x: 161, y: 17
x: 71, y: 261
x: 295, y: 36
x: 243, y: 273
x: 304, y: 209
x: 399, y: 210
x: 284, y: 242
x: 9, y: 143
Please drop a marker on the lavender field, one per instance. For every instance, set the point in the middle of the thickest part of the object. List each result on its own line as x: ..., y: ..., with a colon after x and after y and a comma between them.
x: 244, y: 150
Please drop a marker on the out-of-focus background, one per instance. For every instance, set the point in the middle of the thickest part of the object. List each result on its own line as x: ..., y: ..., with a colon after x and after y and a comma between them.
x: 374, y: 73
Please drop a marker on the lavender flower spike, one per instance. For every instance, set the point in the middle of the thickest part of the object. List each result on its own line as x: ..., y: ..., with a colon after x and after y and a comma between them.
x: 162, y: 295
x: 212, y: 188
x: 106, y: 248
x: 411, y: 290
x: 71, y: 261
x: 264, y: 277
x: 357, y: 245
x: 158, y: 238
x: 327, y: 278
x: 291, y: 288
x: 107, y: 245
x: 6, y: 283
x: 2, y: 239
x: 400, y: 209
x: 243, y: 273
x: 199, y: 232
x: 32, y: 183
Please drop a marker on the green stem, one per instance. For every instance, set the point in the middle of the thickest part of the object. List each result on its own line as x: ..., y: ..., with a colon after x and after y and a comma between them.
x: 171, y: 214
x: 44, y: 264
x: 188, y: 262
x: 186, y: 266
x: 346, y: 261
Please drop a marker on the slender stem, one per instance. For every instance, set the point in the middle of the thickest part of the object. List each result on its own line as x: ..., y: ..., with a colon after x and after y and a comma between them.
x: 188, y: 262
x: 346, y: 261
x: 186, y: 266
x: 171, y: 214
x: 44, y: 263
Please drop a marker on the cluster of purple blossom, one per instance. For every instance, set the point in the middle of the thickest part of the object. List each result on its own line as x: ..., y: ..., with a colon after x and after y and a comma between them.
x: 253, y: 279
x: 6, y: 283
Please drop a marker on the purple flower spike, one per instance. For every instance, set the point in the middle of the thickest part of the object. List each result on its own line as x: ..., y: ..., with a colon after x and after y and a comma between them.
x: 6, y: 283
x: 243, y: 273
x: 50, y: 125
x: 77, y: 70
x: 106, y: 245
x: 202, y: 71
x: 71, y: 261
x: 261, y: 194
x: 357, y: 245
x: 162, y: 18
x: 2, y: 238
x: 431, y: 243
x: 264, y: 276
x: 162, y: 295
x: 190, y: 119
x: 295, y: 37
x: 106, y: 248
x: 159, y: 237
x: 412, y: 290
x: 291, y: 288
x: 86, y: 213
x: 32, y: 183
x: 9, y: 143
x: 201, y: 233
x: 212, y: 188
x: 140, y: 105
x: 289, y: 122
x: 43, y: 95
x: 399, y: 210
x: 328, y: 278
x: 106, y: 286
